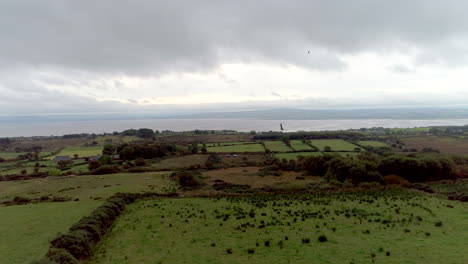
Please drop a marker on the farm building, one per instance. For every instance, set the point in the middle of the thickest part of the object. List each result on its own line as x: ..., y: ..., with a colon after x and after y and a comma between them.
x: 94, y: 157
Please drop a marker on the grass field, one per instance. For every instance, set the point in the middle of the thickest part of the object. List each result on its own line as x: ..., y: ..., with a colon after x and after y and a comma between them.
x: 182, y: 162
x: 238, y: 148
x: 81, y: 151
x: 228, y: 143
x: 449, y: 145
x: 367, y: 227
x: 10, y: 155
x: 27, y: 229
x: 298, y: 145
x: 295, y: 155
x: 87, y: 187
x: 373, y: 143
x: 277, y: 146
x: 334, y: 144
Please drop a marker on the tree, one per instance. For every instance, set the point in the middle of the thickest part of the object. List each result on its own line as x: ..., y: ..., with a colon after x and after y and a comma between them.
x: 327, y: 149
x: 108, y: 149
x: 204, y: 150
x: 145, y: 133
x: 75, y: 156
x: 94, y: 165
x: 64, y: 164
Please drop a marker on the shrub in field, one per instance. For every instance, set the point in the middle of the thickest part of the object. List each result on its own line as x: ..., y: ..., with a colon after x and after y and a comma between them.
x: 188, y: 179
x: 106, y: 169
x: 140, y: 162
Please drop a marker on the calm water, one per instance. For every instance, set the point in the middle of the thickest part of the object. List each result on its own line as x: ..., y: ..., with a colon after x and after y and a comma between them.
x: 100, y: 126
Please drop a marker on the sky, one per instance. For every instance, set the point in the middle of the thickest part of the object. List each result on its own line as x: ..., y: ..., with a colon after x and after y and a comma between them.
x: 87, y: 56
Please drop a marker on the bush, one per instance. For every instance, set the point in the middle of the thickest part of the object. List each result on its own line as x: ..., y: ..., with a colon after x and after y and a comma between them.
x: 140, y: 162
x: 106, y: 169
x: 188, y: 179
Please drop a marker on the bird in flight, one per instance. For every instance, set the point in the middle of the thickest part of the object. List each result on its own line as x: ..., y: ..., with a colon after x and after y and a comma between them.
x: 281, y: 126
x: 308, y: 52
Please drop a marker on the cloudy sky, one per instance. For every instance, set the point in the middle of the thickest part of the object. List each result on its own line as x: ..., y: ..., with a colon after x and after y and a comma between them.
x: 65, y: 56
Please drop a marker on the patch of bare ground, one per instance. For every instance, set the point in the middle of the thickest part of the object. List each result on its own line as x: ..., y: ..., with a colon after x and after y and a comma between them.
x: 248, y: 176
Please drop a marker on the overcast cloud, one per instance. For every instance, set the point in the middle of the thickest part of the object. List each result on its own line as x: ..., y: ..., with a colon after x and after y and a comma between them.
x: 72, y: 56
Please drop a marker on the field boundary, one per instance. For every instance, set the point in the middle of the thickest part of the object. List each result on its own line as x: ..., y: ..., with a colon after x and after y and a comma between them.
x: 78, y: 242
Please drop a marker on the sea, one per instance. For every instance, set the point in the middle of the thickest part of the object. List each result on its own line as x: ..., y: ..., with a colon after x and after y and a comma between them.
x: 53, y: 128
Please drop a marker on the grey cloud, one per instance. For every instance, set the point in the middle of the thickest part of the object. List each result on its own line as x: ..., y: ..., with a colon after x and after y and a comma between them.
x: 155, y: 37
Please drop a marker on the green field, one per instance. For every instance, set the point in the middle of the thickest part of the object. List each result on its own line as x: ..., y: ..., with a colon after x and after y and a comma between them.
x: 10, y: 155
x: 87, y: 187
x: 27, y: 229
x: 298, y: 145
x: 295, y: 155
x: 356, y: 227
x: 228, y: 143
x: 177, y: 163
x: 81, y: 151
x: 238, y: 148
x: 373, y: 143
x: 334, y: 144
x: 277, y: 146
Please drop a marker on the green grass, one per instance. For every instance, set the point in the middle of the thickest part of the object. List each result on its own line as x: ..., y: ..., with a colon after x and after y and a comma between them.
x: 81, y: 151
x: 277, y: 146
x: 359, y: 227
x: 373, y: 143
x: 238, y: 148
x: 351, y: 154
x: 27, y: 229
x: 228, y: 143
x: 335, y: 144
x: 295, y: 155
x: 10, y: 155
x: 183, y: 162
x: 298, y: 145
x: 87, y: 187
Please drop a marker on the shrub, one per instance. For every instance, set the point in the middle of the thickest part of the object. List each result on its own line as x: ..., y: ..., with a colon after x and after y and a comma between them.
x: 322, y: 238
x: 106, y: 169
x: 188, y: 179
x: 140, y: 162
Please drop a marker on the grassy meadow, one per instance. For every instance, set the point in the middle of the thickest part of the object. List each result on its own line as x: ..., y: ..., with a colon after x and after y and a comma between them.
x: 298, y: 145
x: 27, y: 229
x: 277, y: 146
x: 237, y: 148
x: 81, y: 151
x: 334, y: 144
x: 392, y: 226
x: 373, y: 143
x: 87, y: 187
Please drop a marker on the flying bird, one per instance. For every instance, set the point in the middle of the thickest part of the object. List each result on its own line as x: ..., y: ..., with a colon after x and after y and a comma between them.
x: 281, y: 126
x: 308, y: 52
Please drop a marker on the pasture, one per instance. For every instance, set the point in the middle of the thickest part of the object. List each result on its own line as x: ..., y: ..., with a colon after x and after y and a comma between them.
x: 237, y: 148
x: 295, y: 155
x: 373, y: 143
x: 80, y: 151
x: 228, y: 143
x: 392, y: 226
x: 179, y: 163
x: 298, y: 145
x: 10, y: 155
x: 277, y: 146
x: 448, y: 145
x: 27, y: 229
x: 334, y: 144
x: 89, y: 186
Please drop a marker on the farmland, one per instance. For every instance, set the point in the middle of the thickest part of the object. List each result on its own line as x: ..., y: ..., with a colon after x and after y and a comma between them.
x: 385, y: 227
x: 295, y: 155
x: 298, y: 145
x: 277, y: 146
x: 237, y: 148
x: 87, y: 187
x: 449, y: 145
x: 10, y: 155
x: 26, y: 229
x: 372, y: 143
x: 334, y: 144
x: 80, y: 151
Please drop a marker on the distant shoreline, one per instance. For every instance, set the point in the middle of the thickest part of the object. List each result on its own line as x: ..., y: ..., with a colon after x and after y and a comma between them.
x: 59, y: 128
